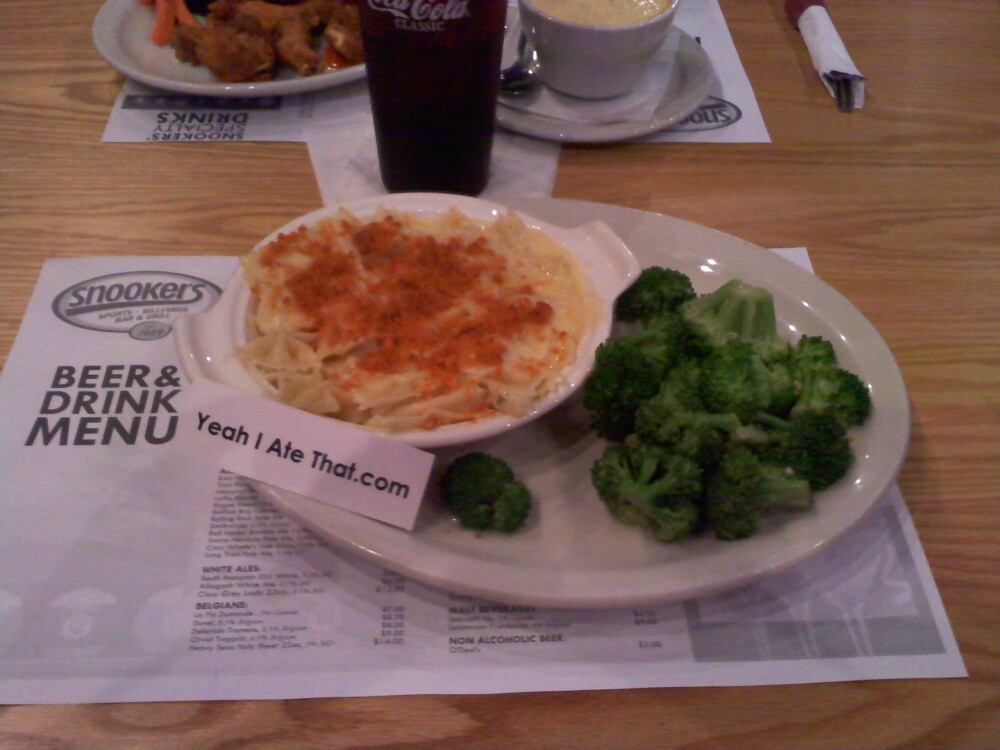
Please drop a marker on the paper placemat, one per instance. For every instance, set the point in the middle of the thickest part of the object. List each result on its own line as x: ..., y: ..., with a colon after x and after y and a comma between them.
x: 142, y: 114
x: 129, y: 572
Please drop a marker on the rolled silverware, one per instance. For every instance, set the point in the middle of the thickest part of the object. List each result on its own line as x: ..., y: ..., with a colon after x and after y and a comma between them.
x: 829, y: 55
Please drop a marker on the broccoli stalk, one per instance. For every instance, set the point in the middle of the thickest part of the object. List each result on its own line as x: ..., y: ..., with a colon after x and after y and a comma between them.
x: 647, y: 486
x: 483, y: 493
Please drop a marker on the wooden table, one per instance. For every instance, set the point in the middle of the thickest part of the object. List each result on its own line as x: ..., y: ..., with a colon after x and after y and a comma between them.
x: 898, y: 205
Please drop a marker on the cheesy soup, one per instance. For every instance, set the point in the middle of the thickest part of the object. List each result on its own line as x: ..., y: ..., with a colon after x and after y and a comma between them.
x: 603, y: 12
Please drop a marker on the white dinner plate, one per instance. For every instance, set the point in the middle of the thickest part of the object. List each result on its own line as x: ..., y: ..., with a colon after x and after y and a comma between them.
x: 121, y: 34
x: 572, y: 553
x: 691, y: 82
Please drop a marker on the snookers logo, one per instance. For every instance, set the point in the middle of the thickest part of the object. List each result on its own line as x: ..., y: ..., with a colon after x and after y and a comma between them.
x: 715, y: 113
x: 423, y: 15
x: 140, y: 303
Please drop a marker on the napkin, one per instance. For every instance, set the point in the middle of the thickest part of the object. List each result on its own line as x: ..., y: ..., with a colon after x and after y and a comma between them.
x: 638, y: 105
x: 829, y: 55
x: 345, y: 161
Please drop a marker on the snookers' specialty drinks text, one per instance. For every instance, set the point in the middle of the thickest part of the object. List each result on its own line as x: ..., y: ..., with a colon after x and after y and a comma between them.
x: 433, y: 74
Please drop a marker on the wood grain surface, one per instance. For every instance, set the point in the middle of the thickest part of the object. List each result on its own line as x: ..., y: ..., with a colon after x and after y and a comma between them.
x: 899, y: 205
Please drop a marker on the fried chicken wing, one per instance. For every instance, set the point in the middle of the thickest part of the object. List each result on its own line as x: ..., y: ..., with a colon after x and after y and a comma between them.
x: 244, y: 40
x: 233, y: 56
x: 293, y: 44
x: 343, y: 32
x: 312, y: 13
x: 288, y: 26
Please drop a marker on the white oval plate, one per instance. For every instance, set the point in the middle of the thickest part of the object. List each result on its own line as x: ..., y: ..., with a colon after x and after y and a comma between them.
x: 572, y: 554
x: 121, y: 35
x: 206, y: 342
x: 690, y: 84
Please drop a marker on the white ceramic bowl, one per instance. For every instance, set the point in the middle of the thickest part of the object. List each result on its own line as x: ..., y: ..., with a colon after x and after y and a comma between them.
x: 590, y: 61
x: 207, y: 342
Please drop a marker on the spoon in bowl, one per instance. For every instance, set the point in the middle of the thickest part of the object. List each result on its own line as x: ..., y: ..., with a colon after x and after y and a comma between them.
x: 521, y: 76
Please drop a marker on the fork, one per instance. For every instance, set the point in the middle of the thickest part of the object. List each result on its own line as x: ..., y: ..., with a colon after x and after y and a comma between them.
x: 843, y: 89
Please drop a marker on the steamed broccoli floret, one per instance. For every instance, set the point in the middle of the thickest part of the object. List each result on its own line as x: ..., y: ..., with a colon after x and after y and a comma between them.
x: 817, y: 448
x: 785, y: 387
x: 648, y: 486
x: 826, y: 387
x: 657, y: 291
x: 512, y: 508
x: 484, y: 494
x: 626, y: 372
x: 678, y: 341
x: 676, y: 418
x: 735, y: 380
x: 835, y: 391
x: 813, y: 444
x: 696, y: 435
x: 735, y: 311
x: 681, y: 389
x: 731, y: 494
x: 740, y: 312
x: 813, y: 351
x: 773, y: 349
x: 707, y: 396
x: 743, y: 489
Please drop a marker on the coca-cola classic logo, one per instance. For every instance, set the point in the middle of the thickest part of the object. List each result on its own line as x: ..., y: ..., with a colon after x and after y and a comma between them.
x: 140, y: 303
x: 423, y: 15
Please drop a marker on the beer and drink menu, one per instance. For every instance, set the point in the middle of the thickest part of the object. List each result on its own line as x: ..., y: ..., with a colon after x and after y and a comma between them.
x: 134, y: 568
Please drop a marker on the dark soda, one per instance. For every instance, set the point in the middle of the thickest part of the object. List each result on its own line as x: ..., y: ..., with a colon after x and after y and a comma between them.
x: 433, y: 75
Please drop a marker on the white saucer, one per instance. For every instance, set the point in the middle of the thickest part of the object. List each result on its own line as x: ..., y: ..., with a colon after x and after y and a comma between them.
x: 690, y: 84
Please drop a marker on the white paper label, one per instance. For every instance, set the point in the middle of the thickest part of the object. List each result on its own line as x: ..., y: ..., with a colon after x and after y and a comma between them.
x: 330, y: 461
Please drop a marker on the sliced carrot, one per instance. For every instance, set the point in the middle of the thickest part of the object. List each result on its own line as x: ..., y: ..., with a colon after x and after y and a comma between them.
x: 166, y: 19
x: 184, y: 14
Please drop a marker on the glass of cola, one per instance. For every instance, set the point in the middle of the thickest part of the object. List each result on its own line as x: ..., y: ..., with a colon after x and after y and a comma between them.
x: 433, y: 71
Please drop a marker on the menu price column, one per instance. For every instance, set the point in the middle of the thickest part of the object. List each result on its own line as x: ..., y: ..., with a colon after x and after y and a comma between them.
x: 391, y: 592
x: 647, y: 618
